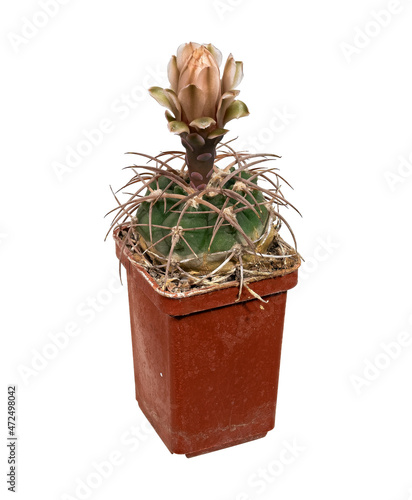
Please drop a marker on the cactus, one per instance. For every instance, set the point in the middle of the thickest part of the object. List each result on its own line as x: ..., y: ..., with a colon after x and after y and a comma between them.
x: 211, y: 213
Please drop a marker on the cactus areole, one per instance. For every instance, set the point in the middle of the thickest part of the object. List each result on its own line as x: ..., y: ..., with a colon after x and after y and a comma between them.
x: 207, y: 269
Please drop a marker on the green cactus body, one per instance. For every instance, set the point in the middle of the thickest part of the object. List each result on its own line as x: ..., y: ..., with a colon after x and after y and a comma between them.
x: 198, y: 222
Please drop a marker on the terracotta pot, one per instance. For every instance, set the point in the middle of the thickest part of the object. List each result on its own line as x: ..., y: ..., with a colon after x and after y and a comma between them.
x: 206, y: 367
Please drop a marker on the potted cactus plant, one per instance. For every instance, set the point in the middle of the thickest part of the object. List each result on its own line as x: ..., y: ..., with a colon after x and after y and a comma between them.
x: 207, y: 270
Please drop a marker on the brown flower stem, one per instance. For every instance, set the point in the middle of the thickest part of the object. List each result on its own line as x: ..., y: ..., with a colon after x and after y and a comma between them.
x: 200, y: 158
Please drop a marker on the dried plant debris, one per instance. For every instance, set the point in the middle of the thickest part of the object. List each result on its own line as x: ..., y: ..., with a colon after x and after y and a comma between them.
x: 225, y: 232
x: 279, y: 259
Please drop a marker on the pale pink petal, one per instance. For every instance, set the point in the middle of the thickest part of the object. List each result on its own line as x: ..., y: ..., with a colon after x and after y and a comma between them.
x: 192, y: 100
x: 183, y: 52
x: 228, y: 74
x: 173, y: 73
x: 209, y: 82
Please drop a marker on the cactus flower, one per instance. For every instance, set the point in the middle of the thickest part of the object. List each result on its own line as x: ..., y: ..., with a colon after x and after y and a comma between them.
x: 200, y: 102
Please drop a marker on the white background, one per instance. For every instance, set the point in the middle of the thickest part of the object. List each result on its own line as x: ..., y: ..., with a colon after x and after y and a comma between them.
x: 346, y: 127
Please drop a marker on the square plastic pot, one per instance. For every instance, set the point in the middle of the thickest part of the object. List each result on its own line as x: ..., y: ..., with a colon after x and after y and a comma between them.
x: 206, y: 367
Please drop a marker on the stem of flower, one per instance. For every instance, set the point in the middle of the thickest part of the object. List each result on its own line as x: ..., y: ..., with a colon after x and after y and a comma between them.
x: 200, y: 158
